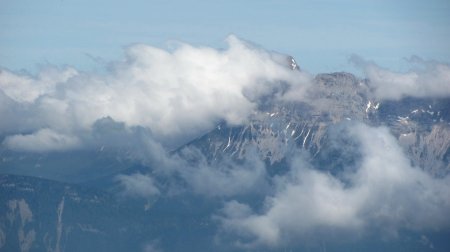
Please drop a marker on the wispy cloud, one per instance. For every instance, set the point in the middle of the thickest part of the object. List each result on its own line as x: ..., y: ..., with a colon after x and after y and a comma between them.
x: 425, y: 79
x: 138, y: 185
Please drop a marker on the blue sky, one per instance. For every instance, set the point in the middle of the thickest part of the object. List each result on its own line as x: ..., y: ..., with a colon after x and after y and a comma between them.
x: 321, y: 35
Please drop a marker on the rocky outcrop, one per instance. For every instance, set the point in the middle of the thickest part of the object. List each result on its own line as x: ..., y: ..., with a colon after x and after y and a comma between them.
x: 19, y: 218
x: 429, y: 149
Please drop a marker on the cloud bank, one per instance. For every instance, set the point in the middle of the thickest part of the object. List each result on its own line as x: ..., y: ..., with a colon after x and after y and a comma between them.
x: 175, y: 94
x: 385, y: 193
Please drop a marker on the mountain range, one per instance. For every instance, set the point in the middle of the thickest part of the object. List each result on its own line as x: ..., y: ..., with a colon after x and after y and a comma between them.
x: 70, y: 210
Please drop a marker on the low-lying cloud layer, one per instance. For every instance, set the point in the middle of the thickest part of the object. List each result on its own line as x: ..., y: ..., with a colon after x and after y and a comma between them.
x: 385, y: 193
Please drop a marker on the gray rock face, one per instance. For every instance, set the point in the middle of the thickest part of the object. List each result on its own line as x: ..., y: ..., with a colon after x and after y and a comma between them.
x: 429, y: 149
x: 279, y: 128
x: 422, y: 127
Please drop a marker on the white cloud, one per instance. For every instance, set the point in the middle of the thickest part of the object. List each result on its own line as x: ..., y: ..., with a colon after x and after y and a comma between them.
x: 177, y: 94
x: 186, y: 171
x: 138, y: 185
x: 385, y: 194
x: 42, y: 141
x: 427, y: 79
x: 24, y: 88
x: 224, y: 178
